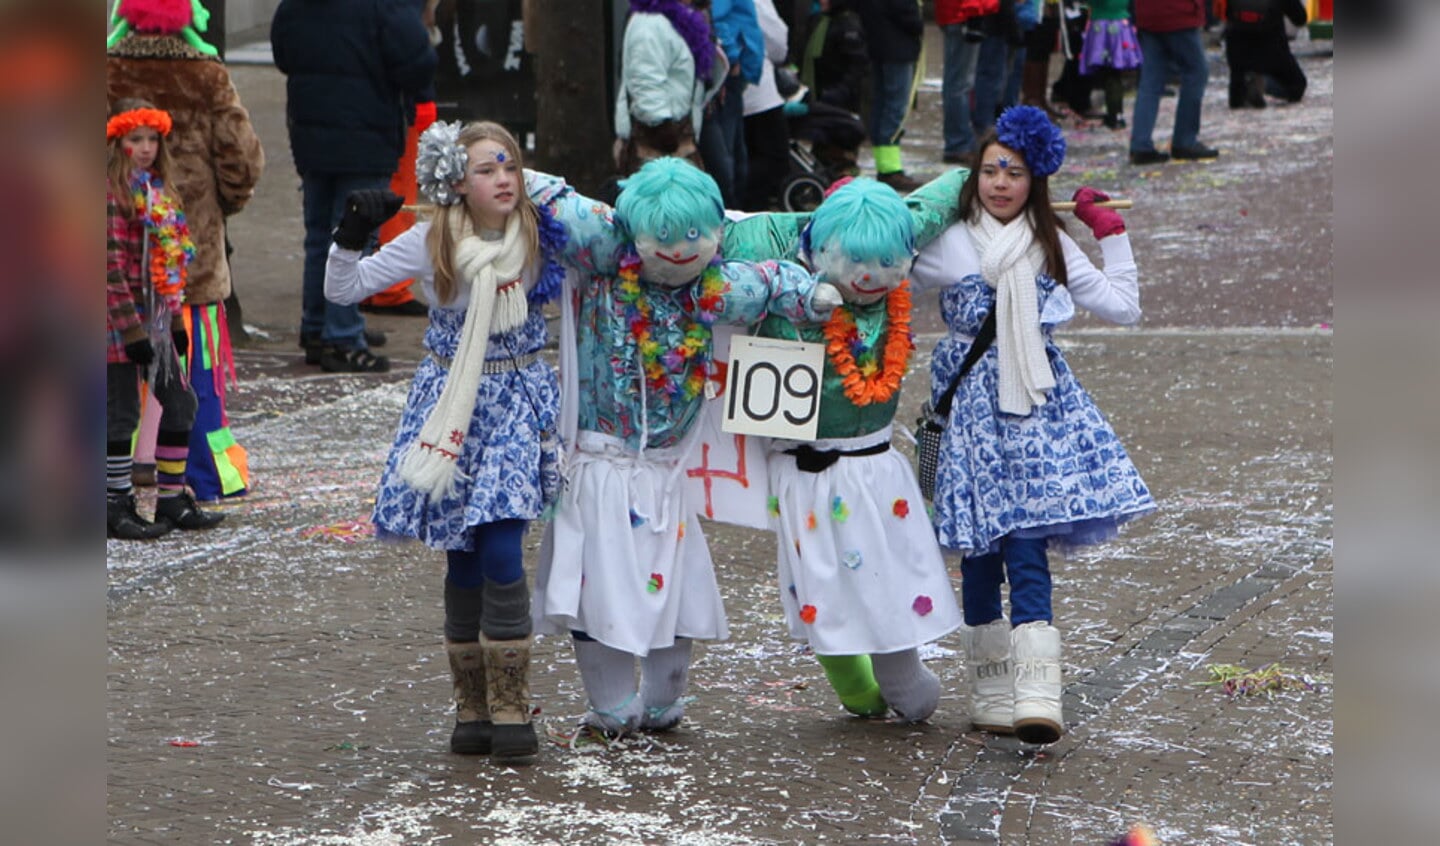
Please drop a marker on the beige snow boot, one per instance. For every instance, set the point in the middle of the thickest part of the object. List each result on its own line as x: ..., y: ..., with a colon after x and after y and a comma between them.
x: 1035, y: 650
x: 990, y: 683
x: 507, y: 681
x: 472, y: 713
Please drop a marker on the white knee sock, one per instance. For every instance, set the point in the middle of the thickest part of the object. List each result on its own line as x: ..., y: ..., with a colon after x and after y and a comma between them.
x: 664, y: 675
x: 609, y: 678
x: 911, y: 689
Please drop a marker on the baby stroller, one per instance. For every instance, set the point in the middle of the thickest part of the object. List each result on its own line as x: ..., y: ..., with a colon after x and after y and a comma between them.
x: 805, y: 184
x: 823, y: 142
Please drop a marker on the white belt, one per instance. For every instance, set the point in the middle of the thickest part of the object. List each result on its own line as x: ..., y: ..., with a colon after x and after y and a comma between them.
x: 492, y: 366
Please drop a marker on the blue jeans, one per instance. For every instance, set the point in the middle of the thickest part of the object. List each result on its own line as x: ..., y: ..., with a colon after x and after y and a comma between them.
x: 891, y: 83
x: 1182, y: 52
x: 997, y: 80
x: 722, y: 142
x: 1024, y: 561
x: 960, y: 57
x: 325, y: 193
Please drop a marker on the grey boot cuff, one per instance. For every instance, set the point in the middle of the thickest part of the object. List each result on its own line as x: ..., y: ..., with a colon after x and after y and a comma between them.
x: 462, y: 613
x: 506, y: 613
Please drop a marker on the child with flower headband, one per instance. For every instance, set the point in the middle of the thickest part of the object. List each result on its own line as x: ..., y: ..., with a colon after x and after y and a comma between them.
x: 148, y: 249
x: 861, y: 576
x: 476, y: 456
x: 1027, y: 461
x: 626, y: 571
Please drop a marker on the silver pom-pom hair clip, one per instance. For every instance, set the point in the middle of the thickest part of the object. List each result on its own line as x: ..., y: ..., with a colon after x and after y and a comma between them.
x: 440, y: 163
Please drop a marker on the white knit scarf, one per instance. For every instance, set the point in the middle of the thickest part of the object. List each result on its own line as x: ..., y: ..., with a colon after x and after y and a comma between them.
x: 1010, y: 259
x: 497, y: 304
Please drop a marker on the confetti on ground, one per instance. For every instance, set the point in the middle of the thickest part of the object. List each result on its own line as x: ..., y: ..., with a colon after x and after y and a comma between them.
x: 346, y: 531
x: 1270, y: 679
x: 182, y: 742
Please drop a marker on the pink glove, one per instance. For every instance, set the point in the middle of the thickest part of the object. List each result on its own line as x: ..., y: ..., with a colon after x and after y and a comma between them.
x: 1102, y: 221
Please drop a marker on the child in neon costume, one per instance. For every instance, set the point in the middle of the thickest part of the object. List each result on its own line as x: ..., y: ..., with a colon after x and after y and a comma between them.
x: 861, y: 574
x: 628, y: 573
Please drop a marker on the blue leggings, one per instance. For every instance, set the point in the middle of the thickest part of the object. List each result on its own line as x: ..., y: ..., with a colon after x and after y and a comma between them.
x: 1024, y: 561
x: 496, y: 555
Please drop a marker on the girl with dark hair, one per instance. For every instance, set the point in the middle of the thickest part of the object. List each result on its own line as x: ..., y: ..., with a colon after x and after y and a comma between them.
x: 1027, y: 462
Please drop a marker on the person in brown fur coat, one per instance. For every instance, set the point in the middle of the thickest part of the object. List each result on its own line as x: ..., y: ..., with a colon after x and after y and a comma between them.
x: 218, y: 161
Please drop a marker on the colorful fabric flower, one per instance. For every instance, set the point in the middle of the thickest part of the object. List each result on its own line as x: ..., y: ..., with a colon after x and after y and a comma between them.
x: 852, y: 559
x: 901, y: 508
x: 922, y: 605
x: 839, y: 511
x: 807, y: 614
x: 657, y: 581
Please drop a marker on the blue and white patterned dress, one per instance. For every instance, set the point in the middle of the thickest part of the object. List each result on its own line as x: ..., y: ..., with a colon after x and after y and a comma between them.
x: 1059, y: 472
x: 498, y: 475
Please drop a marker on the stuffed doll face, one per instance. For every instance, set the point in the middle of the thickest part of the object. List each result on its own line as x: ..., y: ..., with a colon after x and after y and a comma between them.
x: 672, y: 259
x: 861, y: 280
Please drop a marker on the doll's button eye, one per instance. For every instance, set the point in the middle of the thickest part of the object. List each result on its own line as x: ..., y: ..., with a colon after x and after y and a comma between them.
x: 855, y: 259
x: 693, y: 233
x: 663, y: 234
x: 887, y: 262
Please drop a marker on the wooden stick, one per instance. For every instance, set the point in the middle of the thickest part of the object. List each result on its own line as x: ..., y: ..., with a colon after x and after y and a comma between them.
x: 416, y: 208
x: 1068, y: 205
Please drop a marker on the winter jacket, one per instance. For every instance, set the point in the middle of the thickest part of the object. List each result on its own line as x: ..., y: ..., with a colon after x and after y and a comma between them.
x: 350, y: 67
x: 893, y: 29
x: 738, y: 29
x: 216, y: 155
x: 958, y: 11
x: 1169, y: 15
x: 657, y: 76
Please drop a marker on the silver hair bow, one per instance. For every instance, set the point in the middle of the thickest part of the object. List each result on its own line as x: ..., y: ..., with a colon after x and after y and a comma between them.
x: 440, y: 163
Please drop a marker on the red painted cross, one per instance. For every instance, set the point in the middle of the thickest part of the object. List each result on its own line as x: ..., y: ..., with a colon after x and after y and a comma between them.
x: 704, y: 471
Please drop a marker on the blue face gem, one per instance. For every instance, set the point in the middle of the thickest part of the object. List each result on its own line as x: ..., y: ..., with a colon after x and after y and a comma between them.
x: 1003, y: 161
x: 500, y: 157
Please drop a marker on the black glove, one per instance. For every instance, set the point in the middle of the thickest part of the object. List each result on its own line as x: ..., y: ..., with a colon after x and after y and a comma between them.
x: 365, y: 210
x: 181, y: 339
x: 141, y: 352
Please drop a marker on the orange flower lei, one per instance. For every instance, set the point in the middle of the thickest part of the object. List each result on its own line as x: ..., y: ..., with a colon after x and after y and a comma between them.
x: 127, y: 122
x: 865, y: 381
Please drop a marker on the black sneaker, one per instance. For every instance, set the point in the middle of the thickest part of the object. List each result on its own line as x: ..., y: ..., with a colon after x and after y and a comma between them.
x: 1148, y: 157
x: 336, y: 360
x: 1192, y: 154
x: 122, y: 521
x: 181, y: 512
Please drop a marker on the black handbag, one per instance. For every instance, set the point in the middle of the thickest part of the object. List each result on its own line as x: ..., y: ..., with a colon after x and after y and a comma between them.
x: 930, y: 428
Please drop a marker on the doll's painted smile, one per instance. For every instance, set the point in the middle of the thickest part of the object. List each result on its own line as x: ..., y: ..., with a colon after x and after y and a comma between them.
x: 677, y: 259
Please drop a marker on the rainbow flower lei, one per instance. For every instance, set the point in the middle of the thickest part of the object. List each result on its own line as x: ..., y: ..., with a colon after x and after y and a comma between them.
x: 679, y: 372
x: 171, y: 249
x: 864, y: 379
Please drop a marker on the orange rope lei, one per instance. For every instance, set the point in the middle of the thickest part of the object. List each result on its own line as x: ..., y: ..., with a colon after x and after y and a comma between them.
x: 127, y: 122
x: 867, y: 382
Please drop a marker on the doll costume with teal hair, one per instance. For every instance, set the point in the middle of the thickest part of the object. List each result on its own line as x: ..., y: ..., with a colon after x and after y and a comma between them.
x: 861, y: 575
x: 627, y: 568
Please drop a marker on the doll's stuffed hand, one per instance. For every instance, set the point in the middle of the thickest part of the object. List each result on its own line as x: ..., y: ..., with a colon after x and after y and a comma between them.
x: 141, y: 352
x: 825, y: 299
x: 1103, y: 222
x: 365, y: 210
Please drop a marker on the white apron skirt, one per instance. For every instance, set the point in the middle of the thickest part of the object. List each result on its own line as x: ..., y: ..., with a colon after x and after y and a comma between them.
x: 628, y: 563
x: 860, y: 569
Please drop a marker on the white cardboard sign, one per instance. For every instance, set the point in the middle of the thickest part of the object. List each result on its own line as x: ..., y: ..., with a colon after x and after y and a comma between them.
x: 774, y: 388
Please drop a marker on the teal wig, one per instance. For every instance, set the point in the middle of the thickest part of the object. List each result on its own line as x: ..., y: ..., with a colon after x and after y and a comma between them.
x: 866, y: 219
x: 668, y: 197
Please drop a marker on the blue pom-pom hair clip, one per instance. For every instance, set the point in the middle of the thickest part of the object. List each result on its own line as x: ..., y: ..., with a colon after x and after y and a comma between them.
x: 1030, y: 132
